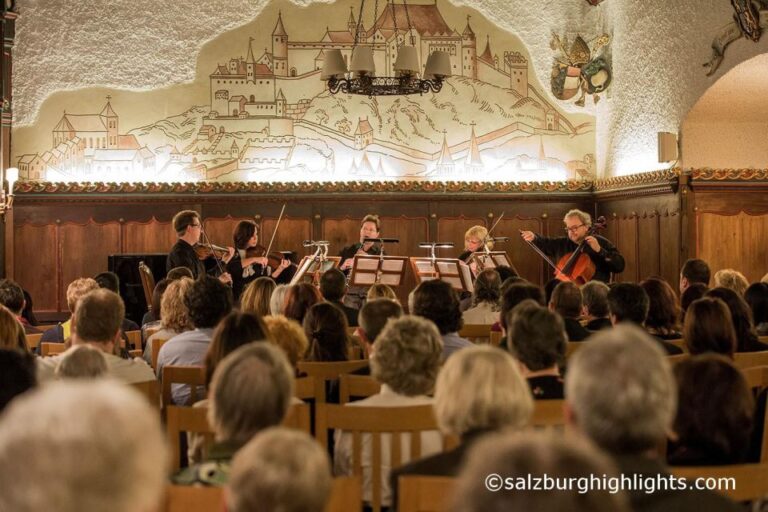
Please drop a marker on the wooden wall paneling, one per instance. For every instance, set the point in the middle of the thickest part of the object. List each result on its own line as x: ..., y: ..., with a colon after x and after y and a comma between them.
x: 410, y: 231
x: 340, y: 232
x: 36, y: 247
x: 452, y: 229
x: 293, y: 231
x: 719, y: 241
x: 669, y: 247
x: 626, y: 241
x: 80, y: 256
x: 754, y: 231
x: 152, y: 236
x: 648, y: 245
x: 527, y: 262
x: 219, y: 230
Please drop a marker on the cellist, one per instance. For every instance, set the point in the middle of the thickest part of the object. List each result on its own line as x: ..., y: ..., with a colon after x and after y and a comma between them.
x: 603, y: 253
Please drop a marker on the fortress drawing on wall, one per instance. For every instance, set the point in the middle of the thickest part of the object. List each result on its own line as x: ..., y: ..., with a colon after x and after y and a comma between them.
x: 268, y: 116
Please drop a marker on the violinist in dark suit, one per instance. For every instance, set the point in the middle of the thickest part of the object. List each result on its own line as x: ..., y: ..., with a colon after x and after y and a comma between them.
x: 189, y: 227
x: 603, y: 254
x: 369, y: 228
x: 245, y: 268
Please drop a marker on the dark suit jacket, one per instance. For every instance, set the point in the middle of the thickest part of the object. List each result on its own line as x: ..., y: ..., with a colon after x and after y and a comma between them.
x: 350, y: 313
x: 599, y: 323
x: 575, y: 331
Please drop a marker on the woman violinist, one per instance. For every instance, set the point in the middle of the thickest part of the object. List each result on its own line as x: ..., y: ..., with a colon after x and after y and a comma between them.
x: 475, y: 240
x: 247, y: 264
x: 603, y: 256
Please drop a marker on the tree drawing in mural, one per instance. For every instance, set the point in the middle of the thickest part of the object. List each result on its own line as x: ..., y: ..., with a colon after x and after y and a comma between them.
x: 268, y: 116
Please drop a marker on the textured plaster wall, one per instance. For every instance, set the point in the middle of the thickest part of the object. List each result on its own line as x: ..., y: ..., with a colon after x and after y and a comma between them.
x: 658, y: 48
x: 726, y: 145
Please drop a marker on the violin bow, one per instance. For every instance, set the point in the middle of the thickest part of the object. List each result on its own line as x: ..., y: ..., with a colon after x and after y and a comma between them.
x: 544, y: 256
x: 274, y: 232
x: 207, y: 241
x: 488, y: 236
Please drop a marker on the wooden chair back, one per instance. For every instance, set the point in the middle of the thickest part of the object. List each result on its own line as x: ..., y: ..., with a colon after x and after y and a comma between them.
x: 134, y: 338
x: 476, y: 333
x: 425, y: 493
x: 185, y: 419
x: 548, y: 413
x: 357, y: 386
x: 740, y: 482
x: 51, y: 349
x: 151, y: 391
x: 750, y: 359
x: 147, y: 283
x: 679, y: 343
x: 572, y: 346
x: 375, y: 421
x: 156, y: 345
x: 677, y: 358
x: 496, y: 337
x: 324, y: 372
x: 298, y: 417
x: 193, y: 376
x: 191, y: 498
x: 33, y: 340
x: 346, y: 494
x: 135, y: 353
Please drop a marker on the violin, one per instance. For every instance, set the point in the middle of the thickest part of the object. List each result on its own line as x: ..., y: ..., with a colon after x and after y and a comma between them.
x: 274, y: 258
x: 204, y: 251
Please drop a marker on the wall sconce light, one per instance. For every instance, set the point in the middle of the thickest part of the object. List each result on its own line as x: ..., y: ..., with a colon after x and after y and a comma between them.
x: 6, y: 197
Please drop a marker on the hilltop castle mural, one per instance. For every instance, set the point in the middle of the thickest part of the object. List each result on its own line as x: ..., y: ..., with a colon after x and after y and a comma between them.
x: 267, y: 116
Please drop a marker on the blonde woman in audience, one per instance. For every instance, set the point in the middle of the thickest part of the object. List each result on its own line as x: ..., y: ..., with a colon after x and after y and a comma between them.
x: 277, y: 300
x: 405, y: 362
x: 256, y: 297
x: 469, y: 404
x: 381, y: 291
x: 82, y: 362
x: 77, y: 446
x: 12, y: 335
x: 486, y: 299
x: 280, y: 469
x: 76, y: 289
x: 733, y: 279
x: 173, y: 313
x: 289, y: 336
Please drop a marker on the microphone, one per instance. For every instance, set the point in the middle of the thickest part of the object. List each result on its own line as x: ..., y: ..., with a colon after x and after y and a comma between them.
x: 312, y: 243
x: 439, y: 245
x: 498, y: 239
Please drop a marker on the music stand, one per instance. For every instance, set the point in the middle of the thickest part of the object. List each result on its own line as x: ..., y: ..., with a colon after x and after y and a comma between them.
x: 369, y: 270
x: 451, y: 270
x: 491, y: 259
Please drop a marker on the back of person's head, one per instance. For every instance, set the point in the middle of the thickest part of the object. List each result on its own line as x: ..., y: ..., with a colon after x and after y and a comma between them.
x: 487, y: 287
x: 82, y: 362
x: 468, y: 397
x: 12, y: 335
x: 277, y: 300
x: 692, y: 293
x: 741, y: 315
x: 663, y: 311
x: 708, y: 327
x: 549, y: 289
x: 628, y: 302
x: 535, y: 454
x: 566, y: 300
x: 184, y: 219
x: 98, y: 316
x: 208, y: 300
x: 407, y: 355
x: 517, y: 293
x: 179, y: 272
x: 93, y: 446
x: 696, y: 271
x: 757, y: 298
x: 29, y: 310
x: 251, y: 390
x: 505, y: 272
x: 374, y: 316
x: 289, y: 336
x: 11, y: 295
x: 235, y: 330
x: 255, y: 298
x: 536, y: 336
x: 437, y: 301
x: 282, y: 470
x: 594, y: 296
x: 174, y: 314
x: 381, y: 291
x: 731, y: 279
x: 77, y: 289
x: 509, y: 281
x: 18, y: 374
x: 715, y: 408
x: 298, y: 299
x: 620, y: 390
x: 157, y: 297
x: 333, y: 285
x: 108, y: 280
x: 326, y: 328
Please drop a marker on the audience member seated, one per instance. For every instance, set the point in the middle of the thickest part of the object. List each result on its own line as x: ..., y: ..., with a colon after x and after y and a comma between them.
x: 374, y: 315
x: 97, y: 320
x: 333, y: 287
x: 111, y: 282
x: 486, y: 299
x: 28, y: 313
x: 663, y: 312
x: 256, y: 296
x: 731, y: 279
x: 694, y: 271
x: 519, y: 456
x: 549, y: 289
x: 505, y: 273
x: 82, y: 447
x: 250, y: 391
x: 152, y: 317
x: 692, y: 293
x: 298, y: 299
x: 478, y: 391
x: 536, y: 338
x: 381, y: 291
x: 82, y: 362
x: 235, y: 330
x: 621, y: 394
x: 708, y: 328
x: 628, y: 303
x: 741, y: 316
x: 277, y: 300
x: 75, y: 290
x: 207, y: 300
x: 437, y: 301
x: 326, y: 329
x: 179, y: 272
x: 566, y: 301
x: 173, y: 313
x: 757, y: 298
x: 12, y: 297
x: 405, y: 361
x: 12, y: 335
x: 18, y: 374
x: 280, y: 470
x: 516, y: 293
x: 594, y: 295
x: 289, y: 337
x: 714, y: 415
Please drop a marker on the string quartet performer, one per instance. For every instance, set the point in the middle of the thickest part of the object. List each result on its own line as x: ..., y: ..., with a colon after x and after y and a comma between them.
x: 370, y: 227
x: 475, y: 240
x: 189, y: 252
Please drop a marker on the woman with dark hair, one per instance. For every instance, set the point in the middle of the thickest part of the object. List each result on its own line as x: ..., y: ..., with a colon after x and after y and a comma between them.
x: 326, y: 328
x: 741, y: 316
x: 663, y: 311
x: 692, y: 293
x: 708, y: 328
x: 244, y: 269
x: 235, y: 330
x: 757, y: 298
x: 485, y: 299
x: 298, y: 299
x: 715, y: 413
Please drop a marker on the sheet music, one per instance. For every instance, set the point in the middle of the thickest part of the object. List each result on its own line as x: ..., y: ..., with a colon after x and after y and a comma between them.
x: 393, y: 265
x: 466, y: 272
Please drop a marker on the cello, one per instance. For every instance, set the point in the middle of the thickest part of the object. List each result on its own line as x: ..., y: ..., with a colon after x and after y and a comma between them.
x: 575, y: 266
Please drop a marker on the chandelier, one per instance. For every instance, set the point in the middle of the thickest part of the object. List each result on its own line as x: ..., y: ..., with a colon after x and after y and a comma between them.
x: 361, y: 77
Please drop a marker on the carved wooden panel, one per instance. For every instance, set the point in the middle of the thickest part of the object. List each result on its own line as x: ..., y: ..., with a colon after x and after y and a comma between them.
x: 626, y: 241
x: 452, y: 229
x: 648, y: 263
x: 290, y: 235
x: 36, y: 263
x: 669, y: 247
x: 527, y: 262
x: 733, y: 241
x: 340, y: 233
x: 148, y: 237
x: 220, y: 230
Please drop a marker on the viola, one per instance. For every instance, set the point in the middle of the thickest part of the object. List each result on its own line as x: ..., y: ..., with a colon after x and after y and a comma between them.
x: 204, y: 251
